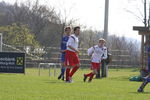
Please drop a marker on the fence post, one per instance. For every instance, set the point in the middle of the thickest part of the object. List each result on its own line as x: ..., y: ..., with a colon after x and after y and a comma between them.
x: 55, y: 70
x: 39, y: 69
x: 49, y: 70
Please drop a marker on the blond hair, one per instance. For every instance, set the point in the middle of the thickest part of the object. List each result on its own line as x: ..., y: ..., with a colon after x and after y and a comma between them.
x: 101, y: 39
x: 65, y: 29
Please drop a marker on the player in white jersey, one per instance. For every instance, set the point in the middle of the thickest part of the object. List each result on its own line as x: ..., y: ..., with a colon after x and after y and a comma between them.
x: 97, y: 53
x: 72, y: 59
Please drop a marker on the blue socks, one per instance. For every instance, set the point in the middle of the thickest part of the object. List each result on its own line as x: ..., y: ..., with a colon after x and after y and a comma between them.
x: 63, y: 71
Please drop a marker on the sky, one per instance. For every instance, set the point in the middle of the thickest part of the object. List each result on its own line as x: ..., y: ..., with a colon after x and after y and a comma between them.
x: 91, y: 14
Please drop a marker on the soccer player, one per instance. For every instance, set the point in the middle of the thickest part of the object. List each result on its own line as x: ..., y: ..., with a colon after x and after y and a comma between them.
x: 147, y: 78
x: 72, y: 60
x: 97, y: 53
x: 64, y: 41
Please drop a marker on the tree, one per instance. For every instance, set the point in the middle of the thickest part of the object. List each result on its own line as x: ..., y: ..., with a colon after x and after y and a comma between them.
x: 89, y: 38
x: 18, y: 35
x: 39, y: 18
x: 140, y: 15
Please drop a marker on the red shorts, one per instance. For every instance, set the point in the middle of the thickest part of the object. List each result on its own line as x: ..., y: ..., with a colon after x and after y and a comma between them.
x: 95, y: 66
x: 71, y: 58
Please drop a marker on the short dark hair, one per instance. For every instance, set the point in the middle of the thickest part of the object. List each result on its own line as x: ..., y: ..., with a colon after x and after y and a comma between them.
x: 75, y: 28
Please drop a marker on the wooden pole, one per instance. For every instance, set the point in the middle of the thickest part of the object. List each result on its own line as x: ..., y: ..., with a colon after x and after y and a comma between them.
x: 142, y: 51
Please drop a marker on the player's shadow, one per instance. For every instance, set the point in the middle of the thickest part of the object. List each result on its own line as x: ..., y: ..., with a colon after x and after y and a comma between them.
x: 54, y: 82
x: 140, y: 93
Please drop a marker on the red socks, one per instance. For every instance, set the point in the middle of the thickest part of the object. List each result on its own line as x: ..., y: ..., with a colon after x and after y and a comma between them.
x: 90, y: 75
x: 67, y: 74
x: 74, y: 70
x: 70, y: 74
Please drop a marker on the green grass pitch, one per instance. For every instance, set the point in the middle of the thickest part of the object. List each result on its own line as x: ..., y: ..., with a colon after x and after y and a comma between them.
x: 33, y: 87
